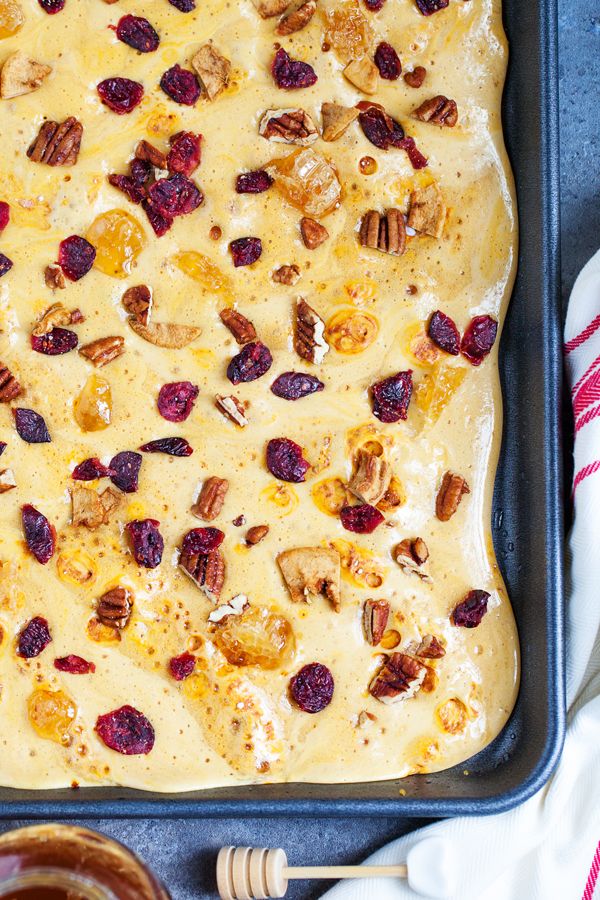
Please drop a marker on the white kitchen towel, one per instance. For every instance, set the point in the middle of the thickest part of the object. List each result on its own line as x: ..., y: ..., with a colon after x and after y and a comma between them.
x: 548, y: 848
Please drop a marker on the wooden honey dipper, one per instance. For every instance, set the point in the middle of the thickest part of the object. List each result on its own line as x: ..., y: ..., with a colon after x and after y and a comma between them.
x: 260, y: 873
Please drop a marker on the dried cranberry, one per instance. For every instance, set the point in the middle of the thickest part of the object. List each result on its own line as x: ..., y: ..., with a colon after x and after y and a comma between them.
x: 34, y: 638
x: 202, y: 540
x: 40, y: 535
x: 470, y: 612
x: 173, y: 446
x: 6, y: 264
x: 294, y: 385
x: 285, y: 460
x: 125, y: 469
x: 479, y: 339
x: 182, y: 666
x: 184, y: 6
x: 52, y: 6
x: 250, y: 363
x: 4, y: 215
x: 245, y: 251
x: 184, y: 155
x: 374, y: 5
x: 444, y: 333
x: 160, y: 224
x: 388, y: 61
x: 140, y: 171
x: 127, y: 185
x: 55, y: 342
x: 122, y: 95
x: 175, y: 195
x: 380, y: 129
x: 417, y: 160
x: 312, y: 687
x: 362, y: 519
x: 138, y: 33
x: 74, y: 665
x: 253, y: 182
x: 126, y: 730
x: 428, y: 7
x: 180, y: 85
x: 90, y: 470
x: 31, y: 427
x: 291, y: 74
x: 3, y: 446
x: 146, y: 542
x: 392, y: 396
x: 76, y: 257
x: 176, y: 400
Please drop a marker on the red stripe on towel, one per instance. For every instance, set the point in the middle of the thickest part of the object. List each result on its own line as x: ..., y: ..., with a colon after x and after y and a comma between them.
x: 581, y: 338
x: 588, y: 371
x: 587, y: 393
x: 592, y: 880
x: 585, y: 472
x: 587, y: 417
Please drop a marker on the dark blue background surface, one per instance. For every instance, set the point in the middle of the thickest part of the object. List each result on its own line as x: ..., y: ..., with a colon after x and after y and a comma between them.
x: 183, y: 853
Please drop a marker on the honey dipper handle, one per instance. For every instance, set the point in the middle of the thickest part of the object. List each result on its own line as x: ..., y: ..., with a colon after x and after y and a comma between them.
x: 336, y: 872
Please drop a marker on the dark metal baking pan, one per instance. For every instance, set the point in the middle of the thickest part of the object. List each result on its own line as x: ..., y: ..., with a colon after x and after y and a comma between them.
x: 527, y: 519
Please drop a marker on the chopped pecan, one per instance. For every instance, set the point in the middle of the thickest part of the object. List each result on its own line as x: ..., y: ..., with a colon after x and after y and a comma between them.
x: 384, y: 232
x: 54, y: 277
x: 427, y: 211
x: 336, y: 119
x: 256, y: 534
x: 430, y: 648
x: 415, y: 78
x: 211, y: 498
x: 309, y: 328
x: 411, y: 554
x: 21, y: 75
x: 241, y: 328
x: 114, y: 607
x: 7, y: 480
x: 313, y: 233
x: 207, y: 571
x: 269, y: 8
x: 232, y: 409
x: 362, y: 73
x: 103, y: 350
x: 399, y: 678
x: 9, y: 386
x: 137, y: 301
x: 288, y: 126
x: 57, y: 145
x: 311, y: 570
x: 371, y: 478
x: 287, y: 274
x: 55, y: 316
x: 297, y: 19
x: 165, y: 334
x: 236, y: 606
x: 375, y: 618
x: 149, y: 153
x: 438, y: 110
x: 213, y: 70
x: 90, y: 509
x: 449, y: 495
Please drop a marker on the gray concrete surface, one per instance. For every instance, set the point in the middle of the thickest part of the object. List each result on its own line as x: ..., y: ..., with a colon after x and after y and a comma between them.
x: 182, y: 853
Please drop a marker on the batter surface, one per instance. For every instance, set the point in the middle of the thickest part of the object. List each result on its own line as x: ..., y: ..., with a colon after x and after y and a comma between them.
x: 194, y: 681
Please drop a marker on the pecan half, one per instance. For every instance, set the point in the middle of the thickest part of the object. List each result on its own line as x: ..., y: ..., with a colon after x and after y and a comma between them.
x: 7, y: 480
x: 57, y: 145
x: 336, y: 119
x: 399, y: 678
x: 213, y: 70
x: 9, y: 386
x: 375, y: 618
x: 313, y: 233
x: 114, y: 607
x: 385, y: 232
x: 427, y: 211
x: 362, y: 73
x: 54, y: 277
x: 269, y: 8
x: 211, y: 498
x: 437, y: 110
x: 449, y: 495
x: 297, y: 19
x: 415, y: 78
x: 430, y: 648
x: 232, y: 409
x: 256, y: 534
x: 55, y: 316
x: 311, y: 571
x: 103, y: 350
x: 371, y: 477
x: 411, y: 554
x: 149, y: 153
x: 207, y: 571
x: 21, y: 75
x: 288, y: 126
x: 309, y: 328
x: 241, y: 328
x: 137, y: 301
x: 236, y: 606
x: 287, y: 274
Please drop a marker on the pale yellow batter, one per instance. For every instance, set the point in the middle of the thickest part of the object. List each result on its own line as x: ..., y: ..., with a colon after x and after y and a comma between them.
x: 226, y: 724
